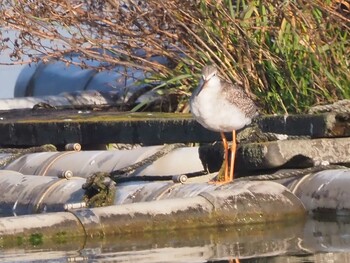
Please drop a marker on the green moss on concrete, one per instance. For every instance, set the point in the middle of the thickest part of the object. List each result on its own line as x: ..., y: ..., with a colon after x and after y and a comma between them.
x: 42, y: 240
x: 99, y: 189
x: 100, y: 117
x: 19, y: 240
x: 61, y: 237
x: 253, y: 151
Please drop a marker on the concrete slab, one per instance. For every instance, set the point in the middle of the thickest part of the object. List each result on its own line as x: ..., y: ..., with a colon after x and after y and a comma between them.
x: 91, y: 126
x: 293, y: 153
x: 314, y: 125
x: 29, y: 128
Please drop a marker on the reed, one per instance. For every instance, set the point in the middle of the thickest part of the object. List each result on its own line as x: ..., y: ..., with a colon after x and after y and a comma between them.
x: 289, y: 55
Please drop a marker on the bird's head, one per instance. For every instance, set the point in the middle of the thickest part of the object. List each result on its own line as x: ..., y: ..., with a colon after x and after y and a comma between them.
x: 208, y: 72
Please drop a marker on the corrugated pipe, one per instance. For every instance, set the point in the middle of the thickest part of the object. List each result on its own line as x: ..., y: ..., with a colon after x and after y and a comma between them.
x: 84, y: 163
x: 27, y: 194
x: 230, y: 204
x: 325, y: 193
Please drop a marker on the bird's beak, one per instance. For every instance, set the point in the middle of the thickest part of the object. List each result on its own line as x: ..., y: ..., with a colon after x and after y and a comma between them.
x: 204, y: 82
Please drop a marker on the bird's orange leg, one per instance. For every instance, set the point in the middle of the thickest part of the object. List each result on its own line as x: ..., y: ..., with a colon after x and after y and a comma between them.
x: 233, y: 156
x: 224, y: 141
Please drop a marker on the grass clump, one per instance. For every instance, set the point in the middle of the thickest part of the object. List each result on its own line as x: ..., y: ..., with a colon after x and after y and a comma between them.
x: 291, y: 54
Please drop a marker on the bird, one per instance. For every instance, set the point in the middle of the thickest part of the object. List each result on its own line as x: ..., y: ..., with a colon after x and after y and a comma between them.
x: 222, y: 106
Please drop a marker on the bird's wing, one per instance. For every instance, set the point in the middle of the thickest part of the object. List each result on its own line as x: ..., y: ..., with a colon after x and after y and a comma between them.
x: 236, y: 95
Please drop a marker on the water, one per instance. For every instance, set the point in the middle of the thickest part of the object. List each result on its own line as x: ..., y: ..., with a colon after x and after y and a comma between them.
x: 308, y: 241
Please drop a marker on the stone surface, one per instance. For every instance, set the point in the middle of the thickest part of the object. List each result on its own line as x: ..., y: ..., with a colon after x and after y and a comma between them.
x: 92, y: 126
x: 316, y: 126
x: 293, y: 153
x: 29, y: 128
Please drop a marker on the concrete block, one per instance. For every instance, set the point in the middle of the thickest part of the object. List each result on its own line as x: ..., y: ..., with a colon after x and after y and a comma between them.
x: 293, y: 153
x: 314, y: 125
x: 29, y: 128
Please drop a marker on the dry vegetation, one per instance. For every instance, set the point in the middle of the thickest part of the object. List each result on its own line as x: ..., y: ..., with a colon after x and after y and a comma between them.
x: 290, y: 54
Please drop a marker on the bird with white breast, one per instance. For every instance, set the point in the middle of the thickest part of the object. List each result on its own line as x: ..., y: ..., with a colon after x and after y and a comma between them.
x: 222, y: 106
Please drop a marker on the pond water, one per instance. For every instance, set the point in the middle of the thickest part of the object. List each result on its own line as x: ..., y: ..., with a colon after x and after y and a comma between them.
x: 307, y: 241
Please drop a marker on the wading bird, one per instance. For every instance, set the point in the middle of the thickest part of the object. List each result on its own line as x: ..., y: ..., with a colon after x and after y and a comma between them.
x: 222, y: 106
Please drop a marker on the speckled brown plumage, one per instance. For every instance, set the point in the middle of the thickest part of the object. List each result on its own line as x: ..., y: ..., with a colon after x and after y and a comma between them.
x: 236, y: 95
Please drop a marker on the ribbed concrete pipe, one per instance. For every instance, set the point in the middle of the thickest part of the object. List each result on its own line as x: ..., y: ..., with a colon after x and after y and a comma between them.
x: 85, y: 163
x: 326, y: 192
x: 59, y: 224
x: 26, y: 194
x: 237, y: 203
x: 90, y: 97
x: 36, y: 79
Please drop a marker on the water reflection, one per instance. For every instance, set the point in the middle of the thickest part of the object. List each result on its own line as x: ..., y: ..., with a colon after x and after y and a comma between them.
x: 310, y: 241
